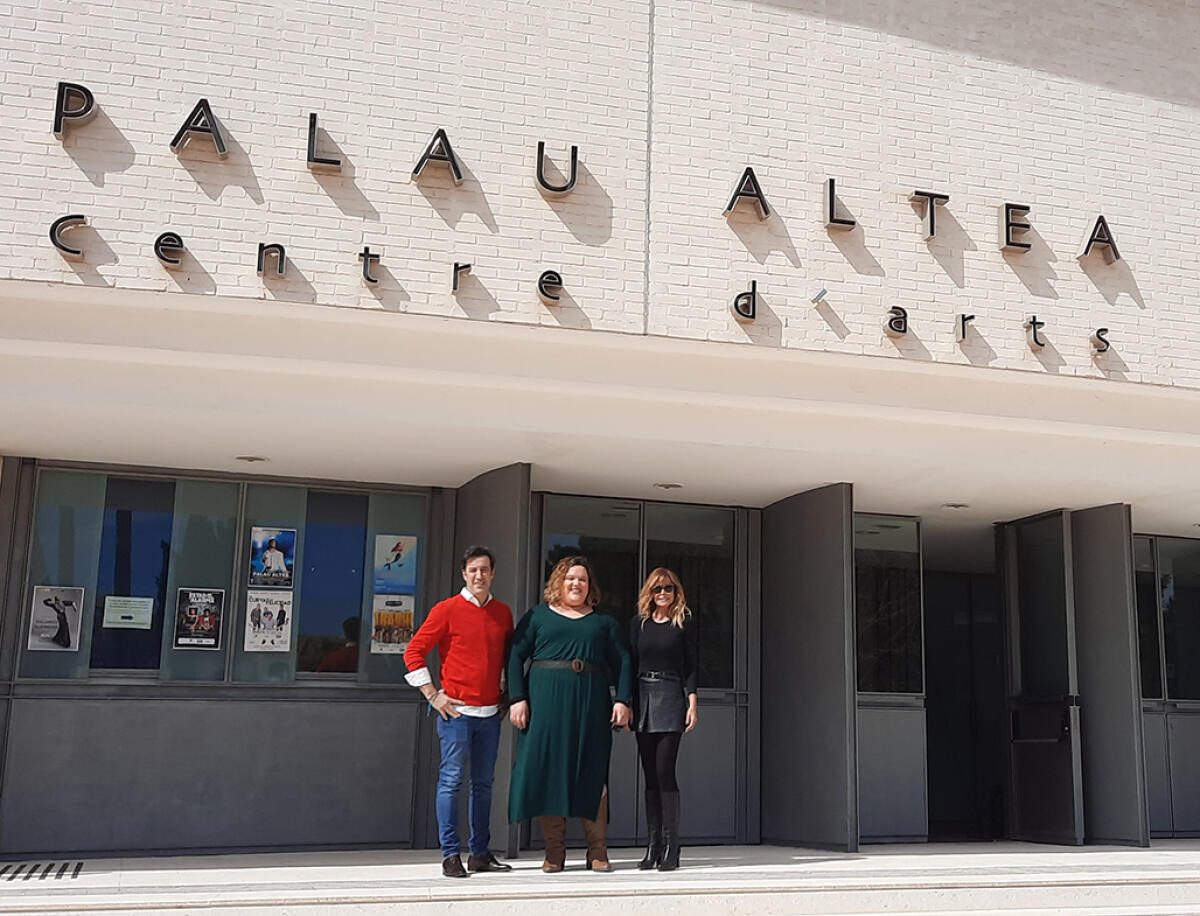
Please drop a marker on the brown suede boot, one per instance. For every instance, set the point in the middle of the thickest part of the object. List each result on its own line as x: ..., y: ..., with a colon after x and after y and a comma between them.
x: 597, y: 837
x: 554, y: 830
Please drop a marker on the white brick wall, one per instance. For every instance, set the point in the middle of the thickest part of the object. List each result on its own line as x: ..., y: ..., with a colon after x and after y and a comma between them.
x: 1075, y: 109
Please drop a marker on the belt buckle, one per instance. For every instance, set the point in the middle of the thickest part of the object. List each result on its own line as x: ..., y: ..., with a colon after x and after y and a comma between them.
x: 577, y: 665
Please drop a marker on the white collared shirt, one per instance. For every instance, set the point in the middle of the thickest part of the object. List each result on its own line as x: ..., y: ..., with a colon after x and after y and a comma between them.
x: 421, y: 676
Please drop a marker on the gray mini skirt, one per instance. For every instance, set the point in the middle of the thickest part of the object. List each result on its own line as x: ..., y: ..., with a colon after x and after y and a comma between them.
x: 660, y: 703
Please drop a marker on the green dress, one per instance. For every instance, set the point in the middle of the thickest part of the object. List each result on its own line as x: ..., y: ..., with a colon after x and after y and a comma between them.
x: 562, y: 757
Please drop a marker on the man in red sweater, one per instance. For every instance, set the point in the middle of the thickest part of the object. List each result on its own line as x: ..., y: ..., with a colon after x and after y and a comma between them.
x: 471, y: 632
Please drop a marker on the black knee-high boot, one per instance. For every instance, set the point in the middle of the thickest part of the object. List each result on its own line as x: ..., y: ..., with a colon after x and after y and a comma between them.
x: 670, y: 831
x: 654, y: 843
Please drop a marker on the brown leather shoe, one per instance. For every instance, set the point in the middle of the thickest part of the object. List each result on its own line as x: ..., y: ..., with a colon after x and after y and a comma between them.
x: 486, y: 863
x: 596, y: 832
x: 452, y: 867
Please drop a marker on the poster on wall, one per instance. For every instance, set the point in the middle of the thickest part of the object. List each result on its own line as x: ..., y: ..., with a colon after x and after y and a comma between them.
x: 272, y: 556
x: 199, y: 613
x: 392, y: 617
x: 122, y: 613
x: 395, y: 564
x: 55, y: 618
x: 268, y: 621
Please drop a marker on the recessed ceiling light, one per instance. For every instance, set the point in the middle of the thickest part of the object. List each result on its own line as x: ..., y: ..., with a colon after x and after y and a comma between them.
x: 666, y: 486
x: 956, y: 506
x: 251, y: 459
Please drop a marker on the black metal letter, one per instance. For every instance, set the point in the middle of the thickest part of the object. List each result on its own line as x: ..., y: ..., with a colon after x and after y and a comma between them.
x: 1101, y: 235
x: 1034, y: 326
x: 1100, y: 341
x: 832, y: 220
x: 368, y: 258
x: 549, y: 281
x: 748, y: 187
x: 315, y: 162
x: 1010, y: 225
x: 897, y: 324
x: 546, y: 186
x: 61, y: 224
x: 63, y: 112
x: 932, y: 202
x: 280, y: 258
x: 745, y: 305
x: 438, y: 149
x: 459, y: 270
x: 166, y: 246
x: 200, y: 121
x: 963, y: 321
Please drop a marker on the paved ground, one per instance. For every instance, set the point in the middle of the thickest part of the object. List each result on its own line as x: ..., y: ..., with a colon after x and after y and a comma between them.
x: 1012, y: 878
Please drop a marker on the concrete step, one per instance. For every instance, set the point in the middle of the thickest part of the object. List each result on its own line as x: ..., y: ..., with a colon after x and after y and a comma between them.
x: 1013, y: 879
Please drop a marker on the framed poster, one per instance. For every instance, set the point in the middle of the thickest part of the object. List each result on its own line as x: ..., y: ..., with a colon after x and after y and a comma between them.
x: 392, y: 624
x: 199, y: 618
x: 121, y: 613
x: 272, y: 556
x: 395, y: 564
x: 55, y: 618
x: 268, y: 621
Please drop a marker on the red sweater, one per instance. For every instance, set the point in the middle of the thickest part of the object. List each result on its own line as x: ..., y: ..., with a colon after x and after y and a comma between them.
x: 472, y: 642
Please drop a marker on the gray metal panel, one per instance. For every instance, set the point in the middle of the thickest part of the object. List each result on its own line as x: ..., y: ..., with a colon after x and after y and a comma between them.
x: 104, y: 775
x: 1106, y: 651
x: 1158, y: 773
x: 891, y: 774
x: 494, y: 510
x: 708, y: 779
x: 1183, y: 733
x: 809, y: 763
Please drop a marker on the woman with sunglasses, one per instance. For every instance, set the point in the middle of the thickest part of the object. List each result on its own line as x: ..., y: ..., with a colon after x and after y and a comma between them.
x: 663, y: 639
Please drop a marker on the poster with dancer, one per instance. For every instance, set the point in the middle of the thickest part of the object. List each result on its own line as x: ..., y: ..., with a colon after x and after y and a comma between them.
x: 393, y: 624
x: 272, y: 556
x: 199, y: 614
x: 395, y: 564
x: 268, y: 621
x: 55, y: 618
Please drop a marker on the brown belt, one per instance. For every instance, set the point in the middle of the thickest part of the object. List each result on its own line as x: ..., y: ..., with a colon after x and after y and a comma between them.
x: 578, y: 665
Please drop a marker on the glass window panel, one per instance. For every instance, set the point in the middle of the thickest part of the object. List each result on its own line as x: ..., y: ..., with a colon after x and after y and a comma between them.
x: 1042, y: 608
x: 68, y: 521
x: 329, y: 610
x: 1179, y: 580
x: 391, y: 517
x: 135, y: 552
x: 605, y: 531
x: 1146, y: 591
x: 887, y: 581
x: 698, y: 544
x: 203, y: 545
x: 272, y: 654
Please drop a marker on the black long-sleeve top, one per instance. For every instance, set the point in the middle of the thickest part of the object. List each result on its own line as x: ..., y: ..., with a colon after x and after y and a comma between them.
x: 665, y: 647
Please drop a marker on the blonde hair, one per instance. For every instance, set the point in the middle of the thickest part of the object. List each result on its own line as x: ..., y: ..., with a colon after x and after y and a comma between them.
x: 645, y: 605
x: 554, y: 587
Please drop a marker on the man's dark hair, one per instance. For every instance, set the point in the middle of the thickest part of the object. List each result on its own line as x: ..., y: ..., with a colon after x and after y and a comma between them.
x: 475, y: 551
x: 350, y: 626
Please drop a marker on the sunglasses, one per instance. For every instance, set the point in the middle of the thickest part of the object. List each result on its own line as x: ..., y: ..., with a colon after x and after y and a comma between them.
x: 662, y: 588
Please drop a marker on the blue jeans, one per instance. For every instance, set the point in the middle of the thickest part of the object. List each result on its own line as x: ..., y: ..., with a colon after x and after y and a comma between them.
x: 466, y: 740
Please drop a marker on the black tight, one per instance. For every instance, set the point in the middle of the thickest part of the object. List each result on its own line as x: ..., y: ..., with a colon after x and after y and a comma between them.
x: 658, y: 751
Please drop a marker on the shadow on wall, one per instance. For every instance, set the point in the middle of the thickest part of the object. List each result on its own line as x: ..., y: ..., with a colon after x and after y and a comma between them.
x: 1147, y: 49
x: 852, y: 243
x: 976, y: 349
x: 766, y: 328
x: 452, y: 202
x: 950, y: 242
x: 1112, y: 280
x: 190, y: 276
x: 214, y: 174
x: 566, y: 311
x: 100, y: 150
x: 762, y: 236
x: 389, y: 291
x: 1034, y: 266
x: 1110, y: 364
x: 96, y: 253
x: 293, y: 286
x: 341, y: 186
x: 587, y: 211
x: 475, y: 299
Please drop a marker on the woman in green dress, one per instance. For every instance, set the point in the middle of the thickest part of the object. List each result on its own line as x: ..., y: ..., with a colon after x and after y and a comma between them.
x: 565, y: 711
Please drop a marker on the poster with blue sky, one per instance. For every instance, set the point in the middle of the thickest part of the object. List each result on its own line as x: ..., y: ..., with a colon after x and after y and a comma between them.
x: 395, y: 564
